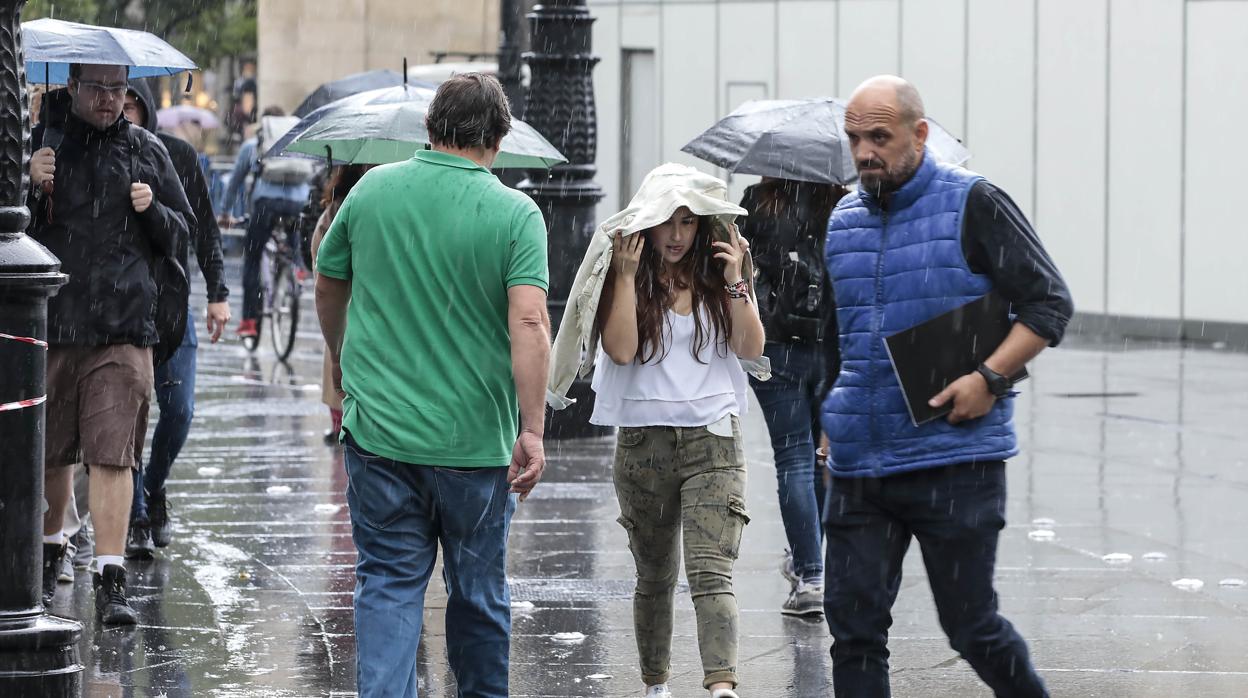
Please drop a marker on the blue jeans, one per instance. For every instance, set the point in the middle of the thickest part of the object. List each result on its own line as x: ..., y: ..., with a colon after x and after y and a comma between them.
x: 175, y: 393
x: 790, y: 402
x: 956, y: 513
x: 400, y: 512
x: 264, y: 215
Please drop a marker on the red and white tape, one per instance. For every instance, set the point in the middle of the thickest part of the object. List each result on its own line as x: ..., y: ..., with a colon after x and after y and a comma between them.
x: 22, y: 404
x: 27, y: 340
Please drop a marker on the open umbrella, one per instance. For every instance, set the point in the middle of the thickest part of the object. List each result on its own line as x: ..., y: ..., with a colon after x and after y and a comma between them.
x: 175, y: 116
x: 51, y: 45
x: 353, y: 84
x: 376, y: 134
x: 801, y: 139
x: 385, y: 95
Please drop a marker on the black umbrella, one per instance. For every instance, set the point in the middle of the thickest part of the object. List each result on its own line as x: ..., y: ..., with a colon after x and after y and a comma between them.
x: 353, y: 84
x: 800, y: 139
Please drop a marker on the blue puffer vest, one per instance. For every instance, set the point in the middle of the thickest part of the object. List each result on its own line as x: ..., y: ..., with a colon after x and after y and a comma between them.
x: 892, y: 270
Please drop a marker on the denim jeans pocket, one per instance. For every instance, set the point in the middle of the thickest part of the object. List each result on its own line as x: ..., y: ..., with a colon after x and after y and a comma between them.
x: 734, y: 526
x: 377, y: 493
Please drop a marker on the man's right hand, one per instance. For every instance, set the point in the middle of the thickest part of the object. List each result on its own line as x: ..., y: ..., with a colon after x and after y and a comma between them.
x: 528, y: 461
x: 43, y: 167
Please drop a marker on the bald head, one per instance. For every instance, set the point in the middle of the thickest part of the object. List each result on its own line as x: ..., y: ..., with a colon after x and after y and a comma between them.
x: 892, y: 93
x: 887, y: 132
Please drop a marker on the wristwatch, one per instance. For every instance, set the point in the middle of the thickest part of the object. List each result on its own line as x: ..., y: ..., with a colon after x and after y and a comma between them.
x: 998, y: 384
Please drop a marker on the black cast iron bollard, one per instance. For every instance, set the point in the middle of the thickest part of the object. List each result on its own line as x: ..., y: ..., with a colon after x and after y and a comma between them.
x: 560, y: 106
x: 38, y: 652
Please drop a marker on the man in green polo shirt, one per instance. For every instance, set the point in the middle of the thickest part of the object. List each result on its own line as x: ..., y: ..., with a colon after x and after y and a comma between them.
x: 431, y: 292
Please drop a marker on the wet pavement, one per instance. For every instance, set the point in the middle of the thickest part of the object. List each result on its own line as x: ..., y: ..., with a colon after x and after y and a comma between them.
x: 1128, y: 451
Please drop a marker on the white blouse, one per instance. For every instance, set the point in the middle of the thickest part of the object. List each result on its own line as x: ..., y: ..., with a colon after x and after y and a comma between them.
x: 678, y: 391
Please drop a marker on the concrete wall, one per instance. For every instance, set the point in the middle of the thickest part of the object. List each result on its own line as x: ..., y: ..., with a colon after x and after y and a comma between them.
x: 303, y: 43
x: 1112, y: 123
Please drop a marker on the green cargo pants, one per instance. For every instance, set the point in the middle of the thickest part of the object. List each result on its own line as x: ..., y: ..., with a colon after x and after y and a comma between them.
x: 669, y: 480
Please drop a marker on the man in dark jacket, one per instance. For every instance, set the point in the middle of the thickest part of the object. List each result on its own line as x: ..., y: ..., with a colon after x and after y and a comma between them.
x: 175, y: 379
x: 106, y: 201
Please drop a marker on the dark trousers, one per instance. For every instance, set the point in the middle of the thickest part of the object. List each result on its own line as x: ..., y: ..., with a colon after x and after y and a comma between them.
x: 790, y: 402
x: 175, y: 393
x: 264, y: 216
x: 956, y: 512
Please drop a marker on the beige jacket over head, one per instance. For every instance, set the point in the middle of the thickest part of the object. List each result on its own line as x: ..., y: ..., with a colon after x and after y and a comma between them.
x: 665, y: 189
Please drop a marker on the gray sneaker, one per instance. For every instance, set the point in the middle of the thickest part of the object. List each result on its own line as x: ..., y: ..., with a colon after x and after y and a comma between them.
x: 67, y: 564
x: 806, y: 601
x: 85, y: 543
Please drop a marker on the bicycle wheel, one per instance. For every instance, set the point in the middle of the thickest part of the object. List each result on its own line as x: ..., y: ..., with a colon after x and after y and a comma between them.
x: 285, y: 313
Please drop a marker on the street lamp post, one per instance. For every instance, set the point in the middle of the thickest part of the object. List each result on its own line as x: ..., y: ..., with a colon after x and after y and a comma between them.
x: 560, y: 106
x: 38, y: 652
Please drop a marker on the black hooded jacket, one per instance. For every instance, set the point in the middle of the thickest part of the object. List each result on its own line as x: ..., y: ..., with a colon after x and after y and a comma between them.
x: 89, y: 223
x: 205, y: 235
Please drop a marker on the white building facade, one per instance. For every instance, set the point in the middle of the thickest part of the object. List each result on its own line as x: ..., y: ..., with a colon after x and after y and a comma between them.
x: 1114, y: 124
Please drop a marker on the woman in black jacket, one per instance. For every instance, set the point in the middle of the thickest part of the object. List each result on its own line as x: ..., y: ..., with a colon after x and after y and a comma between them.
x: 786, y: 228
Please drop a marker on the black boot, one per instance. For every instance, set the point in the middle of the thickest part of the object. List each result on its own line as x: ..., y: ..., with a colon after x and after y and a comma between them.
x: 158, y: 516
x: 53, y: 558
x: 139, y: 544
x: 111, y: 606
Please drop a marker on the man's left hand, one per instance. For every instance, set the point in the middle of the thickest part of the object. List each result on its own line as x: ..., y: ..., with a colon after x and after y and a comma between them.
x: 218, y: 316
x: 970, y: 396
x: 140, y: 196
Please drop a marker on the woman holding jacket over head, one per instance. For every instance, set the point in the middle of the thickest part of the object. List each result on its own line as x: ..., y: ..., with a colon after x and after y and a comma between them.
x: 674, y: 312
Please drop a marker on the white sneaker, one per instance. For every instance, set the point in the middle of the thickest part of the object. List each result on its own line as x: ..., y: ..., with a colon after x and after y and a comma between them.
x: 724, y: 693
x: 658, y: 690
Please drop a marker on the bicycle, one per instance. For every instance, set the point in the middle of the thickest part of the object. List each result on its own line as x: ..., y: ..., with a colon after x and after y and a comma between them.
x: 281, y: 286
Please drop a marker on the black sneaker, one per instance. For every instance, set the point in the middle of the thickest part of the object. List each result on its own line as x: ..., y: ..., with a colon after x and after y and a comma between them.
x: 139, y: 544
x: 111, y: 606
x: 158, y: 517
x: 53, y: 558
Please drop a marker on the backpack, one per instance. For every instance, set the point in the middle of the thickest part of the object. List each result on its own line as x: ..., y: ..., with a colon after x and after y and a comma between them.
x: 173, y: 287
x: 280, y: 170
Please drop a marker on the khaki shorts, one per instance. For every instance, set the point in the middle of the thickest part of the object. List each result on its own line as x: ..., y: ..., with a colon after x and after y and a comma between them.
x: 98, y: 399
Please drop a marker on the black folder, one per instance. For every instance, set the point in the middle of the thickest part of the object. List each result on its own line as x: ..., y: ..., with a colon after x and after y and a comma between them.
x: 930, y: 356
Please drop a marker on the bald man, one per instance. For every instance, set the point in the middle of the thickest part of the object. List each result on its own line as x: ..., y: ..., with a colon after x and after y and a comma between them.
x: 917, y: 239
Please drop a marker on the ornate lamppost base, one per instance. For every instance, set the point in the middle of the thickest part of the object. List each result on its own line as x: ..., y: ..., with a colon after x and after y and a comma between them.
x: 39, y: 658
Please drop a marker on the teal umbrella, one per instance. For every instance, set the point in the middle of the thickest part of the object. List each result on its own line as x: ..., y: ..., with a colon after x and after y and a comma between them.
x: 376, y: 134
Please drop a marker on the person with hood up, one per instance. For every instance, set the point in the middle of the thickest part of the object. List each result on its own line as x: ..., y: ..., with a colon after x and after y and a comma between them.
x: 175, y: 379
x: 675, y: 313
x: 107, y: 202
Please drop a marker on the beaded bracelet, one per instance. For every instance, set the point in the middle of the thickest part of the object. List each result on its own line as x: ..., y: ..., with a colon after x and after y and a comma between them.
x: 741, y: 289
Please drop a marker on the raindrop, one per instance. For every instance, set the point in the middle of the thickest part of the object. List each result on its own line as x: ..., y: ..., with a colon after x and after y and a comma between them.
x: 1117, y: 558
x: 1154, y: 557
x: 1232, y: 582
x: 1042, y: 534
x: 572, y: 637
x: 1187, y: 584
x: 209, y: 471
x: 326, y: 508
x: 278, y: 489
x: 599, y: 677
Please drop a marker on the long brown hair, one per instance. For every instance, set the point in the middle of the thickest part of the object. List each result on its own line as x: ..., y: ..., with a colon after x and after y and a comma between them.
x: 774, y: 196
x: 340, y: 182
x: 698, y: 271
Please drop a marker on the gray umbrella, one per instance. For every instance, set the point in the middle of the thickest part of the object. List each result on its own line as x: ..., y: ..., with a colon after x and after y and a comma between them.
x: 801, y: 139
